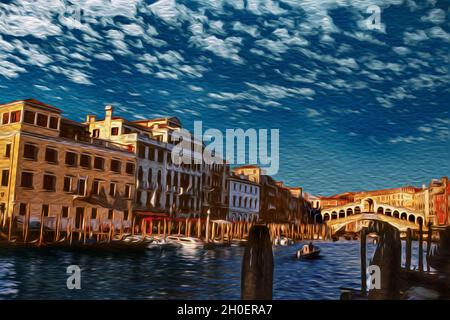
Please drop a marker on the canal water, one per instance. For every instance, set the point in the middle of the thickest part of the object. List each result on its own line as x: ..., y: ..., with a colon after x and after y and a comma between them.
x: 175, y: 273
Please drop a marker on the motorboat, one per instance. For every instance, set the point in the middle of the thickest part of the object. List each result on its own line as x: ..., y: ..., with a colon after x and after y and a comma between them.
x: 308, y: 252
x: 283, y: 241
x: 189, y: 242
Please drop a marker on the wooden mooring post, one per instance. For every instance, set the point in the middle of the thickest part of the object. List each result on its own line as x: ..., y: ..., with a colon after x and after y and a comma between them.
x: 408, y: 249
x: 257, y: 266
x: 420, y: 246
x: 363, y: 262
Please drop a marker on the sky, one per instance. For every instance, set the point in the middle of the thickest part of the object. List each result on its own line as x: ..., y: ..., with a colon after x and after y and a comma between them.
x: 358, y: 107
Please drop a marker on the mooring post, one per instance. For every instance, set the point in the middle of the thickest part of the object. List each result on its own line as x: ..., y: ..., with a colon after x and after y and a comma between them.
x: 420, y: 246
x: 363, y: 262
x: 429, y: 238
x: 408, y: 249
x: 257, y: 266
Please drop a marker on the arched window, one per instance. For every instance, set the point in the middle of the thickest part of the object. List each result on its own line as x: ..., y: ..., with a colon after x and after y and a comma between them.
x: 141, y: 177
x: 149, y: 178
x: 159, y: 177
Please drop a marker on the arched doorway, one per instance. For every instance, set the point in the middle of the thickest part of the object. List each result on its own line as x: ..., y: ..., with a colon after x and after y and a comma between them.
x: 419, y: 221
x: 412, y: 218
x: 333, y: 215
x: 396, y: 214
x: 380, y: 210
x: 404, y: 216
x: 341, y: 214
x: 349, y: 212
x: 368, y: 205
x: 357, y: 210
x: 326, y: 217
x: 388, y: 212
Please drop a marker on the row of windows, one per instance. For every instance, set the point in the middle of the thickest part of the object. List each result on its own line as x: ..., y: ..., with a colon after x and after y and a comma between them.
x: 23, y: 208
x: 30, y: 117
x: 152, y: 153
x: 49, y: 184
x: 245, y: 203
x: 73, y: 159
x: 245, y: 188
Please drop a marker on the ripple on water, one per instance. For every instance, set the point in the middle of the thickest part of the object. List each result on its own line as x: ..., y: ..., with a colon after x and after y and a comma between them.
x: 176, y: 274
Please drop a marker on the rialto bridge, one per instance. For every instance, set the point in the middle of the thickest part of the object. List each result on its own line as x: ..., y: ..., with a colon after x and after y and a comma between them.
x: 368, y: 209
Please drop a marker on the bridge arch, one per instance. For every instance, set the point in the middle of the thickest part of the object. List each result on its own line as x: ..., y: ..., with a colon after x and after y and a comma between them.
x: 368, y: 205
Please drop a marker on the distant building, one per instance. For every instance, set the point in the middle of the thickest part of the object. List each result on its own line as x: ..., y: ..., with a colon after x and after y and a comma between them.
x: 279, y: 203
x: 244, y: 199
x: 440, y: 201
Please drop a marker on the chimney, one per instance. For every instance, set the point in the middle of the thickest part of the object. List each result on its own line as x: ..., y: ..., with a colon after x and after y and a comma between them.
x: 108, y: 120
x: 108, y: 112
x: 90, y: 118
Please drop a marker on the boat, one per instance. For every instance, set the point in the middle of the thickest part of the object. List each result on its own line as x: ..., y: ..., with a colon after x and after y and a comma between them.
x: 283, y: 241
x: 239, y: 243
x: 189, y: 242
x: 307, y: 253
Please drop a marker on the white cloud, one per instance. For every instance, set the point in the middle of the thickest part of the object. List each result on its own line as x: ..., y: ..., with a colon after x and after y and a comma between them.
x: 104, y: 56
x: 435, y: 16
x: 227, y: 48
x: 401, y: 50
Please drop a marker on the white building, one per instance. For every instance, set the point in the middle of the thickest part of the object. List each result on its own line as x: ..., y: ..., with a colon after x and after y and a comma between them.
x: 244, y: 199
x: 161, y: 185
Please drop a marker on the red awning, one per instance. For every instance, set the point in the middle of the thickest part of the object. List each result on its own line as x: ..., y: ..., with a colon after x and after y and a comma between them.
x: 152, y: 214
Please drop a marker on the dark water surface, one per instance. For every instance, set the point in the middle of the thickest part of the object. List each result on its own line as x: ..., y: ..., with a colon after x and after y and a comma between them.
x: 174, y: 273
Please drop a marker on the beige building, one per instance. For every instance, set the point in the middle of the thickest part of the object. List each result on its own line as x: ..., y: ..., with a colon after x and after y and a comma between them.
x: 397, y: 197
x: 52, y: 168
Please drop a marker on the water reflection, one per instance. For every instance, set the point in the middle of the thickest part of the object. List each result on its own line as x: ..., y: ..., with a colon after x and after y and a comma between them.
x: 180, y: 273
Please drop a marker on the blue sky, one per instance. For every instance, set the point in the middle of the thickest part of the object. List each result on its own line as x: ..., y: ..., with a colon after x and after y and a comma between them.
x: 356, y: 108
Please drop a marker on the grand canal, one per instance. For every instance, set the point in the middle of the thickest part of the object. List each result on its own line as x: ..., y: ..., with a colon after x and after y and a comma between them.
x: 175, y: 273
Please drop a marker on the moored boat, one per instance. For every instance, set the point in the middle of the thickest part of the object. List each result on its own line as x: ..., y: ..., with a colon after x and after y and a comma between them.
x: 189, y: 242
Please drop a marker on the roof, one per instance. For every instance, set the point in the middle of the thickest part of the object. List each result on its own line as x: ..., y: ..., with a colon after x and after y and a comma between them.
x: 34, y: 103
x: 247, y: 166
x: 173, y: 119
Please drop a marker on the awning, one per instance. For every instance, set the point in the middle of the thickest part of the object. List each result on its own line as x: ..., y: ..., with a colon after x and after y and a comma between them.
x: 151, y: 214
